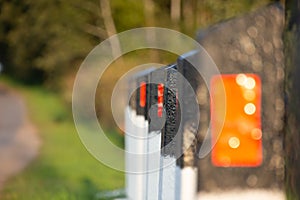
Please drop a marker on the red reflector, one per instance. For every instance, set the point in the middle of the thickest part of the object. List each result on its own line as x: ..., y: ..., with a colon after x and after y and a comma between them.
x: 238, y: 138
x: 143, y: 94
x: 160, y: 99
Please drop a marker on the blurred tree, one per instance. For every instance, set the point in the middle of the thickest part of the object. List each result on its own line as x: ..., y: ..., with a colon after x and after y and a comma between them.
x: 110, y: 26
x: 175, y: 10
x: 45, y: 41
x: 42, y: 39
x: 127, y: 14
x: 202, y: 13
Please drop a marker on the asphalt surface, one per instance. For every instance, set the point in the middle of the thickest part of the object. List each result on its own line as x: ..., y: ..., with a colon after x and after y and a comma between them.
x: 19, y: 142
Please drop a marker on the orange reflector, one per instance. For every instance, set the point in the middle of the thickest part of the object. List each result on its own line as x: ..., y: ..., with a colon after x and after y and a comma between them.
x: 143, y: 94
x: 160, y: 99
x: 236, y: 122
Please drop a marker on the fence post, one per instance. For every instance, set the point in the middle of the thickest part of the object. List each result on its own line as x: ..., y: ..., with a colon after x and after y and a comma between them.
x: 136, y: 134
x: 250, y: 44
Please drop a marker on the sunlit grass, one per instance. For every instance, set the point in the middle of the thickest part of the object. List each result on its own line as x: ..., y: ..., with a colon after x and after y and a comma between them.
x: 64, y: 169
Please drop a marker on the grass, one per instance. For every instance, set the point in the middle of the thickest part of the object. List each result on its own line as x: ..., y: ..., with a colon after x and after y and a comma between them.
x: 64, y: 169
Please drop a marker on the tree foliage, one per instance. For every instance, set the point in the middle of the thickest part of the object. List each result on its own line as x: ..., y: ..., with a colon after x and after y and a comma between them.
x: 41, y: 40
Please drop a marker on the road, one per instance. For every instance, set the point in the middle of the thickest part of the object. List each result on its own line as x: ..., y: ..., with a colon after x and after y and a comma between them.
x: 19, y: 142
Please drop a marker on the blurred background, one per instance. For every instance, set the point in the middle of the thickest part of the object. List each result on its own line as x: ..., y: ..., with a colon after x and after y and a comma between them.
x: 42, y: 45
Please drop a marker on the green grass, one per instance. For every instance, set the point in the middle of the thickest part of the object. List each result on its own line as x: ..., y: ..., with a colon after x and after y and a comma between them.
x: 64, y: 169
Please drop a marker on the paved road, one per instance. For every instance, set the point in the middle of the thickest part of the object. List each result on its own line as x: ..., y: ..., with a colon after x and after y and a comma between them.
x: 19, y: 142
